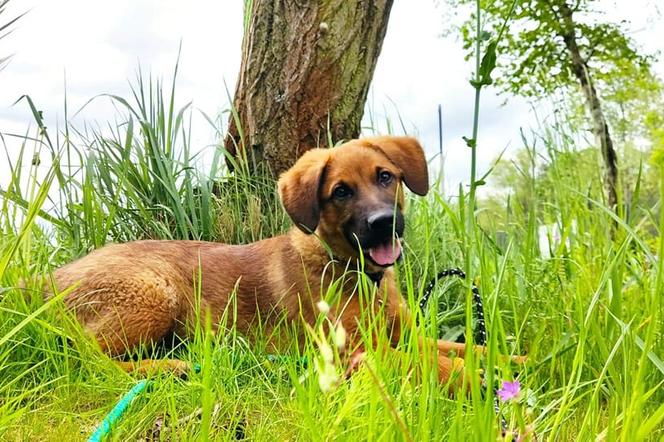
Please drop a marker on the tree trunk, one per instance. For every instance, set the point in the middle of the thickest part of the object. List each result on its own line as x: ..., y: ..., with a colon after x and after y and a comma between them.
x: 600, y: 127
x: 304, y: 78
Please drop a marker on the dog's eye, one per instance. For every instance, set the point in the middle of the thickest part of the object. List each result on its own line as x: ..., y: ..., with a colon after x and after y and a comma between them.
x: 385, y: 177
x: 341, y: 192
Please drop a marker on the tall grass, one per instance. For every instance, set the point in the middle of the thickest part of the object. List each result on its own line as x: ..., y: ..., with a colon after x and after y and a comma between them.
x: 589, y: 316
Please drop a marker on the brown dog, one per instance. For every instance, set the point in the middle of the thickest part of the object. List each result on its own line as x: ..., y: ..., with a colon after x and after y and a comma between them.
x: 342, y: 200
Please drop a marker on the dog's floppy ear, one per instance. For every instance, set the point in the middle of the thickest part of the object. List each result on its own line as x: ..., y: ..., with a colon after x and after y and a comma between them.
x: 299, y: 189
x: 407, y: 154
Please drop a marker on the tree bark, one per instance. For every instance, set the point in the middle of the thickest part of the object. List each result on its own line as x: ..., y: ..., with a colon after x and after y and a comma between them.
x: 600, y: 126
x: 304, y: 78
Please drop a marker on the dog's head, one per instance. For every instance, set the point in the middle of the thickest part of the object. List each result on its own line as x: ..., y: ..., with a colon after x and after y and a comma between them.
x: 352, y: 195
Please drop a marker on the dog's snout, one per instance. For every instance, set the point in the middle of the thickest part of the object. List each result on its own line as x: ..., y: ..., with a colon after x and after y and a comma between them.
x: 381, y: 221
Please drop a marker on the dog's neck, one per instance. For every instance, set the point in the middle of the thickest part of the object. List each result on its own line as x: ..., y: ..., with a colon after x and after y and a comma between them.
x: 312, y: 249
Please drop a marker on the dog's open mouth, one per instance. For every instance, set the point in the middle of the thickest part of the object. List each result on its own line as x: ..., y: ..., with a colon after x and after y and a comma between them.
x: 386, y: 254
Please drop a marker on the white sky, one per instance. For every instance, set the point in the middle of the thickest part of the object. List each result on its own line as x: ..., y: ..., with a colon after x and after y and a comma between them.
x: 97, y: 46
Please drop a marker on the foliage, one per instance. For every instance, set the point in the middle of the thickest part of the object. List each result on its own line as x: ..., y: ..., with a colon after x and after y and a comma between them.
x: 532, y: 178
x: 634, y: 97
x: 534, y: 61
x: 552, y: 44
x: 633, y: 100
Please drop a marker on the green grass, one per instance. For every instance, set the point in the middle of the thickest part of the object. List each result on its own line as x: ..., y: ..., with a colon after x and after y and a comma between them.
x: 589, y: 317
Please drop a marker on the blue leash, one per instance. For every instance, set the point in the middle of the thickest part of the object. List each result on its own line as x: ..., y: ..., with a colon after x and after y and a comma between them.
x: 116, y: 413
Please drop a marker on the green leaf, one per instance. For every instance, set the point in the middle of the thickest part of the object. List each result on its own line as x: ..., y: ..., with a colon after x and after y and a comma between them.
x: 488, y: 63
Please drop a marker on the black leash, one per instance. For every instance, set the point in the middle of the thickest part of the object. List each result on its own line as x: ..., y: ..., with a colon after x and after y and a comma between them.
x: 480, y: 332
x: 480, y: 337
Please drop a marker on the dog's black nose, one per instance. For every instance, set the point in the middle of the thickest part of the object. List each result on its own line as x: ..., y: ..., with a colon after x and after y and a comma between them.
x: 381, y: 221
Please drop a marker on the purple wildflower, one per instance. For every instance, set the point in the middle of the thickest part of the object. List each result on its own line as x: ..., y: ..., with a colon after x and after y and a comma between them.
x: 509, y: 391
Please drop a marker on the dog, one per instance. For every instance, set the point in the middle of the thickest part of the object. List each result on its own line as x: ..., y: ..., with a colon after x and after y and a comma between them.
x: 347, y: 206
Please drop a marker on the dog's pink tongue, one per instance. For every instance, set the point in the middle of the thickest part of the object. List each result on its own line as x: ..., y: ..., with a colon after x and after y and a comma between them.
x: 386, y: 254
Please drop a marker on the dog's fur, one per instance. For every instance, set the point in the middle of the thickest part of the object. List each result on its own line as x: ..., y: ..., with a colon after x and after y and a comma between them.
x: 128, y: 295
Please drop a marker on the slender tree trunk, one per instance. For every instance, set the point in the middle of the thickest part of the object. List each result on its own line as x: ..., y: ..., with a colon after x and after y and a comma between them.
x: 304, y: 78
x: 600, y: 127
